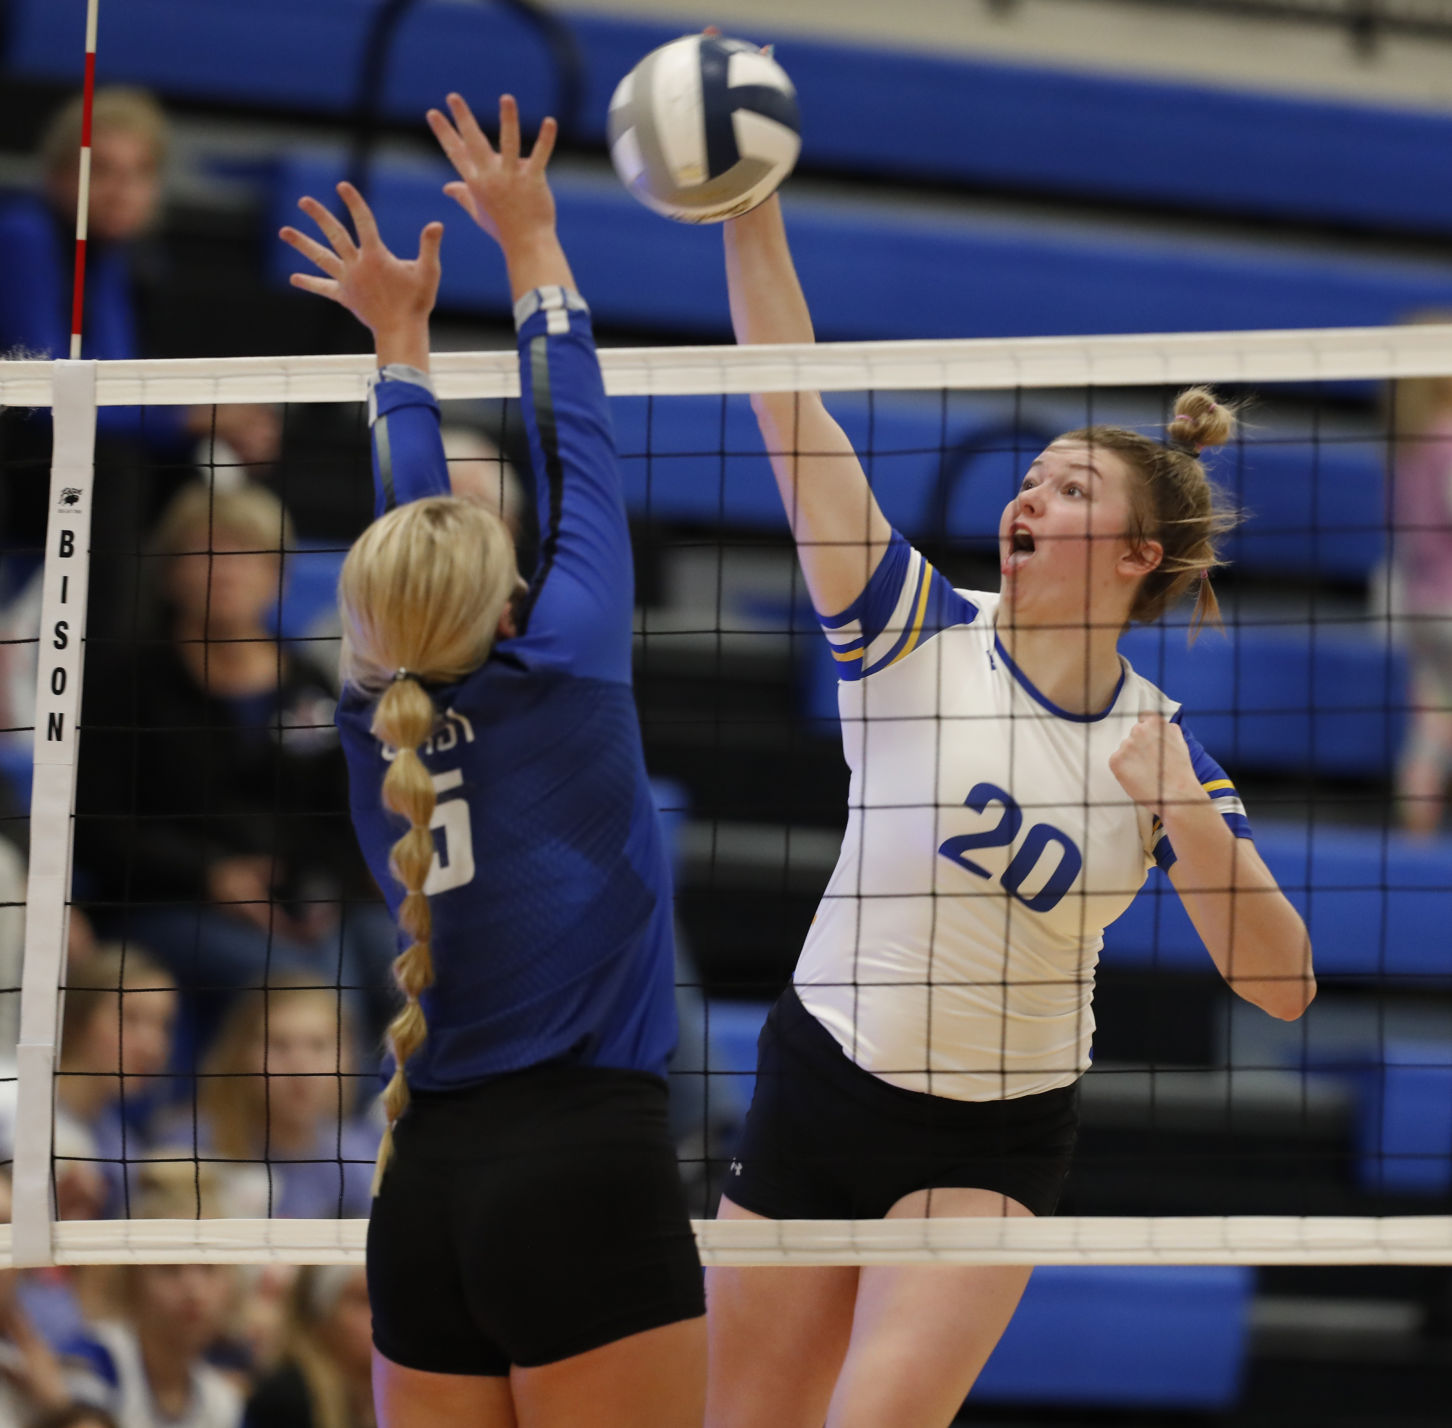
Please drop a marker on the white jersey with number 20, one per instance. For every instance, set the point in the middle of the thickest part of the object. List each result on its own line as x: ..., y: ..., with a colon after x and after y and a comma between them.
x: 988, y: 846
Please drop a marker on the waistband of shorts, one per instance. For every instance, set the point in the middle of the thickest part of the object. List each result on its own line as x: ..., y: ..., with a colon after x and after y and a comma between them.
x: 806, y: 1036
x: 532, y: 1081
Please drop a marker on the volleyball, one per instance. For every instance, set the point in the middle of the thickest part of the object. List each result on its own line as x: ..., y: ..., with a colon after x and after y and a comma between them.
x: 704, y: 128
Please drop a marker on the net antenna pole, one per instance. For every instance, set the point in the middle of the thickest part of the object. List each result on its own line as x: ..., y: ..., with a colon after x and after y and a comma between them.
x: 65, y: 581
x: 83, y: 191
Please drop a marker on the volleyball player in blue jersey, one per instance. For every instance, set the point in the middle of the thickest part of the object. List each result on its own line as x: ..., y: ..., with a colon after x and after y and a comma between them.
x: 1013, y: 782
x: 530, y: 1260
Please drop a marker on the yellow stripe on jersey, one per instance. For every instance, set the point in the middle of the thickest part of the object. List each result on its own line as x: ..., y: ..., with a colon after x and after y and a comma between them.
x: 845, y: 655
x: 922, y: 610
x: 1216, y: 784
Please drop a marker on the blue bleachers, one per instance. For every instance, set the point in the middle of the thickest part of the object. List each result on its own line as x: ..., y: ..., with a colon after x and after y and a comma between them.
x: 972, y: 121
x: 1312, y: 510
x: 1377, y: 906
x: 1404, y: 1120
x: 879, y: 271
x: 1142, y: 1338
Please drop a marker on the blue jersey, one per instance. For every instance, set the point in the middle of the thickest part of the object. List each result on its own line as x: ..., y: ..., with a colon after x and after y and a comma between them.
x: 550, y: 890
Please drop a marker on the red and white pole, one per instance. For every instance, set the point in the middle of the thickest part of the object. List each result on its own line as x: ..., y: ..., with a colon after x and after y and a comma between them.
x: 83, y: 193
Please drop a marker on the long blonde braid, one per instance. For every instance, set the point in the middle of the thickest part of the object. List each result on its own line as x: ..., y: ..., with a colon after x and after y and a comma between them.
x: 403, y: 720
x: 421, y: 596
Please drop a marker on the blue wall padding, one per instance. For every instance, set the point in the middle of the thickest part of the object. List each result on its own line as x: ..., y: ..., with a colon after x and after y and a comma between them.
x: 1377, y: 905
x: 1404, y: 1120
x: 1121, y: 1336
x: 878, y: 271
x: 1311, y: 511
x: 865, y: 110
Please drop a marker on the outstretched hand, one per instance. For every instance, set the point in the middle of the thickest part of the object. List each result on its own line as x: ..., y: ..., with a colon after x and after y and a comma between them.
x: 506, y: 195
x: 387, y: 294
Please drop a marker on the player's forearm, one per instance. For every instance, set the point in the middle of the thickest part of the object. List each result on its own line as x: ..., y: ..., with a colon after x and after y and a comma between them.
x: 535, y: 259
x: 767, y: 303
x: 1255, y: 937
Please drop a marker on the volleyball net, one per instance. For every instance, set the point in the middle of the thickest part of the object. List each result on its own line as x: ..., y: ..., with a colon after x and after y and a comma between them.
x: 237, y: 1007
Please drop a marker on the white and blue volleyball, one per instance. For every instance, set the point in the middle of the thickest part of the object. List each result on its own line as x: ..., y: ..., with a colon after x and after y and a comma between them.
x: 704, y: 128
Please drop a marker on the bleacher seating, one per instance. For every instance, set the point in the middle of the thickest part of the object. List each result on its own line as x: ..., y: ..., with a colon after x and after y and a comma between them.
x: 872, y: 270
x: 866, y: 110
x: 1139, y: 1338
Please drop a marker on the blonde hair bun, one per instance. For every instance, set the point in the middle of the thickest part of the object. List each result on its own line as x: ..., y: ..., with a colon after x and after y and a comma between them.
x: 1200, y: 420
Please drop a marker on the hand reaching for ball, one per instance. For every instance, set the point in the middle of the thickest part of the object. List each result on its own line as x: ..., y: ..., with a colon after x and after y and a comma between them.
x: 507, y: 195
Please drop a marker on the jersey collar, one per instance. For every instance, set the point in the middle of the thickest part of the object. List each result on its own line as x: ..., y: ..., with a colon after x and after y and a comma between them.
x: 1049, y: 704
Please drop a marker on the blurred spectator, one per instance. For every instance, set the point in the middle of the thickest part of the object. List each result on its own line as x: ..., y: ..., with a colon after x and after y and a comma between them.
x: 129, y: 146
x: 325, y: 1379
x: 275, y: 1110
x: 149, y: 1346
x: 33, y: 1379
x: 37, y: 246
x: 212, y: 800
x: 1421, y: 570
x: 151, y: 1355
x: 479, y: 471
x: 78, y: 1415
x: 116, y: 1039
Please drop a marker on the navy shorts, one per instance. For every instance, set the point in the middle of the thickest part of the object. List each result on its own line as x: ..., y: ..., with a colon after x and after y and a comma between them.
x: 826, y: 1140
x: 529, y: 1219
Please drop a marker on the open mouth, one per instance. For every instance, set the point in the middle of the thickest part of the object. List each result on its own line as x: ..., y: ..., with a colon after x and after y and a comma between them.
x: 1020, y: 549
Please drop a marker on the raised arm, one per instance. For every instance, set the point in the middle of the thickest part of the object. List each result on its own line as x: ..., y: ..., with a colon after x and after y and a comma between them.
x: 392, y: 297
x: 578, y: 613
x: 840, y: 531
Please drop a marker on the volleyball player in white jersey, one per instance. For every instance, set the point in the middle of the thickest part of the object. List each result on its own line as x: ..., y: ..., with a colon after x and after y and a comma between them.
x: 1013, y: 780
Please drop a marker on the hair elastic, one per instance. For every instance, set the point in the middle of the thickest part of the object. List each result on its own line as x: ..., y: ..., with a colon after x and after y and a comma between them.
x: 401, y: 673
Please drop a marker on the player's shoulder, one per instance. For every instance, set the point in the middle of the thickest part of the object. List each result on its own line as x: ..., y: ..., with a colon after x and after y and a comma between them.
x: 983, y: 605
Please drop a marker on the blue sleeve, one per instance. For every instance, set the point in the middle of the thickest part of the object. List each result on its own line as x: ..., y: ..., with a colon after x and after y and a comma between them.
x: 579, y: 613
x: 408, y: 451
x: 1215, y: 782
x: 905, y: 602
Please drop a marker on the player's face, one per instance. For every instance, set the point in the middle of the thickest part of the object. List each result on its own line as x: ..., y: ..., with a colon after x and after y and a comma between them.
x: 1064, y: 536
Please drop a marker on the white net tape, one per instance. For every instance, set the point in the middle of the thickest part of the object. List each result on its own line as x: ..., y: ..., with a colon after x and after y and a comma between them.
x: 1059, y: 363
x: 1107, y: 1239
x: 988, y: 364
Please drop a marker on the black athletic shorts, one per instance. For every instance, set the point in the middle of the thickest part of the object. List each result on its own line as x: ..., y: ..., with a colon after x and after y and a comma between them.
x: 529, y: 1219
x: 826, y: 1140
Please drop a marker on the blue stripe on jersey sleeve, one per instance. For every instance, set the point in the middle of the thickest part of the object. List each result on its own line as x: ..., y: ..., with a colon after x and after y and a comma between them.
x: 408, y: 452
x: 905, y: 603
x: 579, y: 614
x: 1215, y: 782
